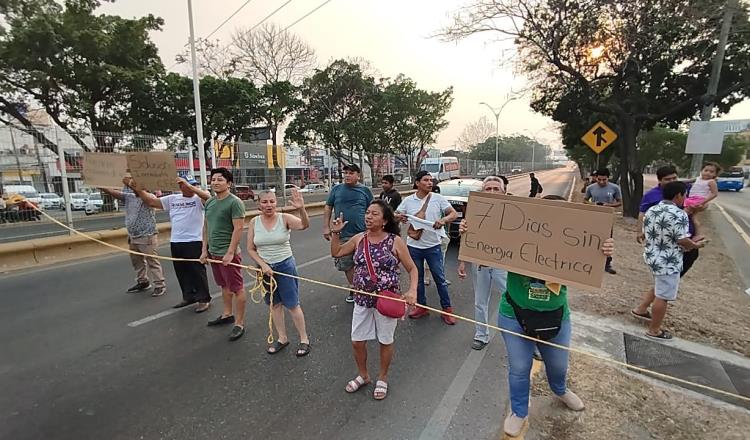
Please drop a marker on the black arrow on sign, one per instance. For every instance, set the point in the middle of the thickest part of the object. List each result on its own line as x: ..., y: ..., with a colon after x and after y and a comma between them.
x: 600, y: 132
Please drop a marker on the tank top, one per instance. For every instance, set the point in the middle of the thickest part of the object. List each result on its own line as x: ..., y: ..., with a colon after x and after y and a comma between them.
x: 700, y: 188
x: 273, y: 246
x: 385, y: 264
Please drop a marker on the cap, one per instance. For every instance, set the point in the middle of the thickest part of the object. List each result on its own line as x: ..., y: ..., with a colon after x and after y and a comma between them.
x: 351, y: 167
x: 191, y: 180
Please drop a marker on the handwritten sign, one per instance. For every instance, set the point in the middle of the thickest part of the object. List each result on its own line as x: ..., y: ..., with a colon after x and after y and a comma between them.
x: 155, y: 170
x: 104, y: 170
x: 546, y: 239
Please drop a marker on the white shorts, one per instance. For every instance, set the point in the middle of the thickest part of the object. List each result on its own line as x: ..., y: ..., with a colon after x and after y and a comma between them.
x: 666, y: 286
x: 369, y: 324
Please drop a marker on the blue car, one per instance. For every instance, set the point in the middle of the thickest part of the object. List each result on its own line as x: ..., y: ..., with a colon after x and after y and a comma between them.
x: 731, y: 179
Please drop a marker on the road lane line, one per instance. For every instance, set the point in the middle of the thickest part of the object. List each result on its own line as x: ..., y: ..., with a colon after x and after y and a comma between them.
x: 572, y: 187
x: 170, y: 312
x: 734, y: 224
x: 454, y: 395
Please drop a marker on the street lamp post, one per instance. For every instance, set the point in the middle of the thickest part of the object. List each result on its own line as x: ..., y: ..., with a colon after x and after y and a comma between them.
x: 197, y: 100
x: 497, y: 130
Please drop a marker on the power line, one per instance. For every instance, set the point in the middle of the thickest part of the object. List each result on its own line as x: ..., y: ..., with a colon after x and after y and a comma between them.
x: 227, y: 20
x: 308, y: 14
x: 270, y: 15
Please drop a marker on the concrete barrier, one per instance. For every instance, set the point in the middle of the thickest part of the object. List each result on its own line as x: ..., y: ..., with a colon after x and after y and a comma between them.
x: 45, y: 251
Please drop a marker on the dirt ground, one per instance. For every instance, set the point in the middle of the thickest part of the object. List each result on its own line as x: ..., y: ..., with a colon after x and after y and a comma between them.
x: 712, y: 307
x: 637, y: 411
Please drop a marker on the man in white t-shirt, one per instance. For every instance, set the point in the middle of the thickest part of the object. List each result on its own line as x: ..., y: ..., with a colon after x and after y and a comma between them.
x: 427, y: 247
x: 186, y: 214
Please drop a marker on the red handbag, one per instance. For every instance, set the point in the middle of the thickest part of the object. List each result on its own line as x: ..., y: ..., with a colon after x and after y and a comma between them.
x: 386, y: 306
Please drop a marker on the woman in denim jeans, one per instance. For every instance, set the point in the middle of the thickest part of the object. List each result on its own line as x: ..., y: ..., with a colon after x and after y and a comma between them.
x: 484, y: 278
x: 268, y: 244
x: 537, y: 295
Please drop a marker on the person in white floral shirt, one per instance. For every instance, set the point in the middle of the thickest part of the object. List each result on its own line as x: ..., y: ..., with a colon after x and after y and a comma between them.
x: 665, y: 227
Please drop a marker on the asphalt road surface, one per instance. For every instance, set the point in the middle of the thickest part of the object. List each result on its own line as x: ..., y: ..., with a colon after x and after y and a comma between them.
x: 81, y: 359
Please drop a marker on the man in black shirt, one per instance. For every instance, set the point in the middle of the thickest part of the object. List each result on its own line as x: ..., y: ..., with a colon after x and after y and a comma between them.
x: 536, y: 187
x: 390, y: 195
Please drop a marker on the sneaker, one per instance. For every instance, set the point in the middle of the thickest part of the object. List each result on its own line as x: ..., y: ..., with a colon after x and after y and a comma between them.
x: 514, y: 425
x: 350, y: 297
x: 448, y: 282
x: 448, y: 319
x: 418, y: 312
x: 221, y: 320
x: 610, y: 270
x: 476, y: 344
x: 572, y: 401
x: 159, y: 291
x: 140, y: 287
x: 236, y: 333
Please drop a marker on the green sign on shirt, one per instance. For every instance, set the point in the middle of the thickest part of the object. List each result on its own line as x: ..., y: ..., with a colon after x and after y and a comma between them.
x: 532, y: 294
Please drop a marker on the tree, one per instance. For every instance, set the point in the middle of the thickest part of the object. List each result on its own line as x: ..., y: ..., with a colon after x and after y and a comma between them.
x: 87, y: 71
x: 475, y: 133
x: 213, y: 58
x: 334, y: 102
x: 642, y: 62
x: 516, y: 148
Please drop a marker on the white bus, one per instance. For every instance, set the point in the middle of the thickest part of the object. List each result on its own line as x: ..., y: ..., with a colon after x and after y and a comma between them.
x: 441, y: 168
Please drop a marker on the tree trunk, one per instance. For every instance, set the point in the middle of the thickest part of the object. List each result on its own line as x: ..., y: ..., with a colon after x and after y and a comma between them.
x: 631, y: 177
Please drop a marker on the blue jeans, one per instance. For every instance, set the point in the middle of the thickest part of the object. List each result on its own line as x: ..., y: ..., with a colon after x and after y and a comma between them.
x: 434, y: 258
x: 520, y: 357
x: 485, y: 279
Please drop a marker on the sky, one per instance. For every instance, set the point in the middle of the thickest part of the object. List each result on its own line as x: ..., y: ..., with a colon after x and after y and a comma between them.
x: 394, y: 35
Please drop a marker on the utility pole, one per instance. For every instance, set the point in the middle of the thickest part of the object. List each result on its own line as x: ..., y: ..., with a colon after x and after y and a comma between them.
x: 197, y: 100
x: 713, y: 81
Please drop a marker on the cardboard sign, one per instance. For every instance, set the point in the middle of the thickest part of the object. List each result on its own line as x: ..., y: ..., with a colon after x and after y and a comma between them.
x: 155, y: 170
x: 104, y: 170
x: 546, y: 239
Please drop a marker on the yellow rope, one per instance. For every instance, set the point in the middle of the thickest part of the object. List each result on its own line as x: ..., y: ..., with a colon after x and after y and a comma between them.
x: 347, y: 289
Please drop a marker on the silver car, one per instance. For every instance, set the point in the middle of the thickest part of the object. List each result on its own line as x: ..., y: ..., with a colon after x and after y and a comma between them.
x: 51, y: 201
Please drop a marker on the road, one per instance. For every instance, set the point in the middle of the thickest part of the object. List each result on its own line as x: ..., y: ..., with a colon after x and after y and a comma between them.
x: 737, y: 207
x: 30, y: 230
x: 82, y: 360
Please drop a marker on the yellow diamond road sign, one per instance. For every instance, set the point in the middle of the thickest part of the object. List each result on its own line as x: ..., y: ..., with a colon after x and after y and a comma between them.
x: 599, y: 137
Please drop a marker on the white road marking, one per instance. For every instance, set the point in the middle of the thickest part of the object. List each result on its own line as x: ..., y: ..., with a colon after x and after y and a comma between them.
x: 734, y: 224
x: 169, y: 312
x: 454, y: 395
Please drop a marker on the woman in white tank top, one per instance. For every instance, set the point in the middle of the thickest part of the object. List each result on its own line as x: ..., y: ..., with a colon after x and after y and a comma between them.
x: 268, y: 244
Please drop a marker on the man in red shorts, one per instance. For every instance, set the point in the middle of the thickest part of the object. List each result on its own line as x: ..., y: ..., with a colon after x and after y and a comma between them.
x: 225, y: 218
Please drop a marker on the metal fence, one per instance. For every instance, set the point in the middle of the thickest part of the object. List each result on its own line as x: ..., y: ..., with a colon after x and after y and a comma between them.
x: 479, y: 168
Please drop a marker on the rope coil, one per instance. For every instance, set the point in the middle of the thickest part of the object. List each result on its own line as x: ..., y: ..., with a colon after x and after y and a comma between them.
x: 260, y: 288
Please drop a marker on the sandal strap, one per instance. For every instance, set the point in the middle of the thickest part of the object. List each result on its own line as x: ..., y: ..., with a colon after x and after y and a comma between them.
x: 381, y: 385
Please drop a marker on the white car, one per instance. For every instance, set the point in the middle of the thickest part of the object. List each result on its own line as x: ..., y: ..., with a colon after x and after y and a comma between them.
x: 287, y: 188
x: 314, y: 188
x: 406, y: 180
x: 51, y: 201
x: 78, y: 201
x: 94, y: 204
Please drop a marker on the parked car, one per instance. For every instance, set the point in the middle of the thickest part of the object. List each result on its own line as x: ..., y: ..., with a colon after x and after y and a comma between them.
x: 314, y: 188
x: 287, y: 188
x: 94, y: 203
x: 51, y: 201
x: 407, y: 180
x: 456, y: 191
x: 731, y: 179
x: 516, y: 170
x: 244, y: 192
x: 78, y: 201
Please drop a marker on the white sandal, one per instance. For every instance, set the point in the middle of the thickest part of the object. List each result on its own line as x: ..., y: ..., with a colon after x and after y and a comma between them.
x: 381, y: 390
x: 355, y: 384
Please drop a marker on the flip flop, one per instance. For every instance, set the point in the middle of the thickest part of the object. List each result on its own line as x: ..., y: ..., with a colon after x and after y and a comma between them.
x: 663, y: 335
x: 646, y: 316
x: 303, y: 349
x: 355, y: 384
x: 381, y: 390
x: 277, y: 347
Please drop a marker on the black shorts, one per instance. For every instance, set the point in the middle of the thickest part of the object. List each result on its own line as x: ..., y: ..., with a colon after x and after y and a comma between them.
x: 688, y: 259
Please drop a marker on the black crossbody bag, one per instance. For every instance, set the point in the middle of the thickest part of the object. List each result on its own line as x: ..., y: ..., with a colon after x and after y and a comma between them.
x: 539, y: 325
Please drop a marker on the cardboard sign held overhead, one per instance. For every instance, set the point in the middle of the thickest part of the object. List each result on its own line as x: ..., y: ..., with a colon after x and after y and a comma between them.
x: 104, y: 170
x: 154, y: 170
x: 546, y: 239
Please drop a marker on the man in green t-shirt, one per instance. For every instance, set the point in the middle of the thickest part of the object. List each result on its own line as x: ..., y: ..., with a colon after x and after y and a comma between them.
x: 225, y: 218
